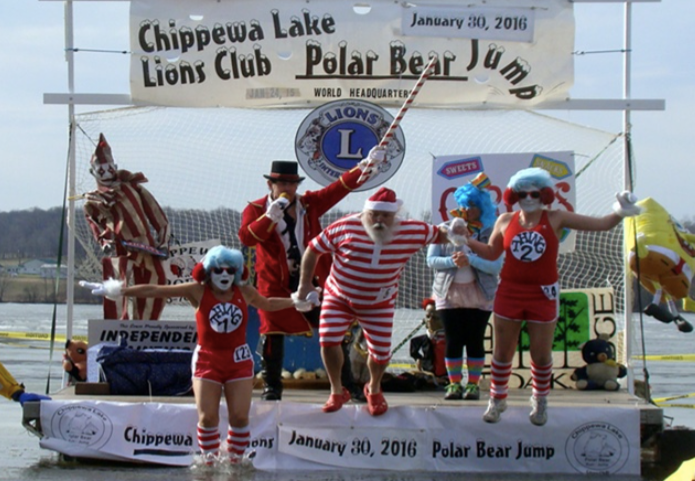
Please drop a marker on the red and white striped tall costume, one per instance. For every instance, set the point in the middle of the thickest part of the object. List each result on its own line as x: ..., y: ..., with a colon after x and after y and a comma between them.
x: 126, y: 211
x: 363, y: 282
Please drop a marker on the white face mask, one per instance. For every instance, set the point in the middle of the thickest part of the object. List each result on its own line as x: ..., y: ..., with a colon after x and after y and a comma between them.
x: 529, y: 204
x: 222, y: 277
x: 104, y: 173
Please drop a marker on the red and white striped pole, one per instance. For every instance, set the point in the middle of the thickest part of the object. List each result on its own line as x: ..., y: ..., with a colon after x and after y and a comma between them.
x: 404, y: 108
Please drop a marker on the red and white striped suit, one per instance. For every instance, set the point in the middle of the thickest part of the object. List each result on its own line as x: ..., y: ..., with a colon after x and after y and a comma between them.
x: 363, y: 282
x: 127, y: 211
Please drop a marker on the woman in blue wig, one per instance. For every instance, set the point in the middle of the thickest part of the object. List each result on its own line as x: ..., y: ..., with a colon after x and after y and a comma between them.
x: 528, y: 289
x: 464, y: 288
x: 222, y: 361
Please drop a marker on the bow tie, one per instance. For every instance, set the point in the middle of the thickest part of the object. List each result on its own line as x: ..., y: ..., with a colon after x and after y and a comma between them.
x: 474, y: 226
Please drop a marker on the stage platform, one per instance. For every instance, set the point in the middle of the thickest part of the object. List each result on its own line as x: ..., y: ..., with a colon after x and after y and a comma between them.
x: 587, y: 431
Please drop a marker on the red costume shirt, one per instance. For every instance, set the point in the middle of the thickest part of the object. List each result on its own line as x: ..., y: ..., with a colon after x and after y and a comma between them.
x: 530, y: 254
x: 221, y: 324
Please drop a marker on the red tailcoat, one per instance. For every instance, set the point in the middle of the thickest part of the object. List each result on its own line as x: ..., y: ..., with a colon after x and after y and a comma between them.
x: 272, y: 272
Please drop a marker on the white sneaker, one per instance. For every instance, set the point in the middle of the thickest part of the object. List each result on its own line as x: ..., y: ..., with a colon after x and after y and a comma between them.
x: 495, y: 408
x: 539, y: 410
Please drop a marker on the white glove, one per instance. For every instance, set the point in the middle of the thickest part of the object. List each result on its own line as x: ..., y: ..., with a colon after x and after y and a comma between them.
x: 312, y: 300
x: 458, y: 232
x: 110, y: 289
x: 625, y: 205
x: 369, y: 166
x: 313, y: 297
x: 276, y: 209
x: 300, y: 305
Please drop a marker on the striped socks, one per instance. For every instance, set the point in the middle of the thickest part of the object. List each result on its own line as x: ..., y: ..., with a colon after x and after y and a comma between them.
x: 237, y: 441
x: 541, y: 377
x: 475, y: 369
x: 500, y: 373
x: 208, y: 442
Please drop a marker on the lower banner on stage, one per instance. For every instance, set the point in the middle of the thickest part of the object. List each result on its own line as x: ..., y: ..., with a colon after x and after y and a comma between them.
x: 590, y: 441
x: 131, y: 432
x: 292, y: 436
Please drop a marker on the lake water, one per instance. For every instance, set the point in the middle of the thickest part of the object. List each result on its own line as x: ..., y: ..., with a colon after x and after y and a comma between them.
x: 30, y: 362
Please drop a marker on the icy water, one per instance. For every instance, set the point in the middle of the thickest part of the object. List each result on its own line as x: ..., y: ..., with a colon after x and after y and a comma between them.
x: 23, y: 459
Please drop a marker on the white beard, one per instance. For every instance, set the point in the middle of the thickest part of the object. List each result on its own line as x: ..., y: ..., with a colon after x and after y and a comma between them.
x: 379, y: 233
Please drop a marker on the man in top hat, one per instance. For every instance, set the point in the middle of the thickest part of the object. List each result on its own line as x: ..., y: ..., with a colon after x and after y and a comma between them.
x: 280, y: 225
x: 369, y: 251
x: 122, y: 210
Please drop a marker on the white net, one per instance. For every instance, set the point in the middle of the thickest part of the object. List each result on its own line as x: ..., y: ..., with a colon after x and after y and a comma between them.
x: 204, y: 165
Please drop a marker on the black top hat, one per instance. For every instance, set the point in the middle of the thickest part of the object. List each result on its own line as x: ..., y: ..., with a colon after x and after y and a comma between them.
x: 285, y: 170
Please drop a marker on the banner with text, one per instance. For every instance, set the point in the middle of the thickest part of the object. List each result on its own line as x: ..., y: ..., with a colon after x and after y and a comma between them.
x: 596, y: 439
x: 253, y: 53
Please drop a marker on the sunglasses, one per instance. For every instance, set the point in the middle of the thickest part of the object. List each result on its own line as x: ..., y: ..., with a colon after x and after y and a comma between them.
x: 220, y: 270
x: 534, y: 195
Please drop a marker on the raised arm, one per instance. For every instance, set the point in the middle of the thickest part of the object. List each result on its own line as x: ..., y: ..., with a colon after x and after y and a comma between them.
x: 625, y: 206
x: 254, y: 298
x: 113, y: 289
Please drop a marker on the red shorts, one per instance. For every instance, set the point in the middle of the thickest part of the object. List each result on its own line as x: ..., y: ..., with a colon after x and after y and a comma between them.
x: 221, y: 367
x: 531, y: 303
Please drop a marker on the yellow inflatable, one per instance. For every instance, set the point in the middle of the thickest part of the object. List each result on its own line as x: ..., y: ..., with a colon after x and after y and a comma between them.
x: 666, y: 255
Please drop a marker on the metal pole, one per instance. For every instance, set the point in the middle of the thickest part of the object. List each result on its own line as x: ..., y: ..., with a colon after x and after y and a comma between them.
x: 627, y: 279
x: 70, y: 282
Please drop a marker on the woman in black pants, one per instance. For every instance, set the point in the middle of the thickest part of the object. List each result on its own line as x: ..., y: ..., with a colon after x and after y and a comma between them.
x: 464, y: 287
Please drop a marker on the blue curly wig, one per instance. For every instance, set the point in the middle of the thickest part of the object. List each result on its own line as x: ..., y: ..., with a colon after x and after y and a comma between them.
x: 531, y: 178
x: 469, y: 195
x: 220, y: 256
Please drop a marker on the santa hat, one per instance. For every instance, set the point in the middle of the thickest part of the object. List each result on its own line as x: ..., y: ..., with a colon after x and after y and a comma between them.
x: 102, y: 154
x: 384, y: 200
x: 427, y: 302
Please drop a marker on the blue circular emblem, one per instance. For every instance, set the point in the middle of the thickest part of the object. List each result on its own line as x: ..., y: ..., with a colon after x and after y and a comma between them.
x: 336, y: 136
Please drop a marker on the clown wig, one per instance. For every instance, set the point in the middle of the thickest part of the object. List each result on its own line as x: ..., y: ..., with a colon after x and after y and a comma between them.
x: 468, y: 195
x: 533, y: 178
x: 529, y: 179
x: 220, y: 256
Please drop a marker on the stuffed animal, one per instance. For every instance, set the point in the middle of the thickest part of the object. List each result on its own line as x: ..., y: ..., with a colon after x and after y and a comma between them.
x: 601, y: 370
x: 75, y: 360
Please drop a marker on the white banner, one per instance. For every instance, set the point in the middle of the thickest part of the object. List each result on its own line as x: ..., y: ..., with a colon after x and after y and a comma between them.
x: 143, y: 432
x: 292, y: 436
x: 144, y: 334
x: 137, y: 335
x: 510, y: 24
x: 254, y: 53
x: 452, y: 171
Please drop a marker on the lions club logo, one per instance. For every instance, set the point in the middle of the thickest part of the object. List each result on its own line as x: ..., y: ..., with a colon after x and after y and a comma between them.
x: 333, y: 138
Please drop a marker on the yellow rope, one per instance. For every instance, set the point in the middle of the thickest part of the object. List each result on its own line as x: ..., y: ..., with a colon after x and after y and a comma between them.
x: 668, y: 357
x: 38, y: 336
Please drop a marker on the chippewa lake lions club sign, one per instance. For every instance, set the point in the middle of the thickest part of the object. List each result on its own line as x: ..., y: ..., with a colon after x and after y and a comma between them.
x: 334, y: 137
x: 256, y: 53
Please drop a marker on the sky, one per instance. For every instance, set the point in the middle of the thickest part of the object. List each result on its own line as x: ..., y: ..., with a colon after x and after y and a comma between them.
x: 34, y: 140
